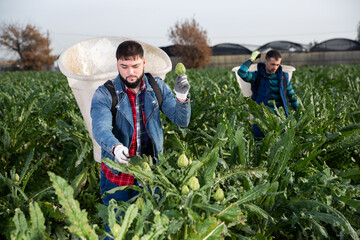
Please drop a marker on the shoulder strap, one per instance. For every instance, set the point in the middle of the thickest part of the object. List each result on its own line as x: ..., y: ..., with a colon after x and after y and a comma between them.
x: 284, y: 83
x: 256, y: 84
x: 109, y: 85
x: 156, y: 88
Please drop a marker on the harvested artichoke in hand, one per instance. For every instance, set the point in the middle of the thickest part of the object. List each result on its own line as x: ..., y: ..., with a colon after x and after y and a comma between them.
x: 180, y: 69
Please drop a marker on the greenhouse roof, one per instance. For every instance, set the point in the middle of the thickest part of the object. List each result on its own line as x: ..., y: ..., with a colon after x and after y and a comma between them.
x: 229, y: 49
x: 282, y: 46
x: 336, y: 44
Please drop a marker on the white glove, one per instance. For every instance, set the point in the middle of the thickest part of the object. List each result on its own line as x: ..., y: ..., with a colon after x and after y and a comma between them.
x: 182, y: 87
x: 121, y: 154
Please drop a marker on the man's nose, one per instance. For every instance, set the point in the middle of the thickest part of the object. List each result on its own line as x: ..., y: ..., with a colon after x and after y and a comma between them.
x: 130, y: 71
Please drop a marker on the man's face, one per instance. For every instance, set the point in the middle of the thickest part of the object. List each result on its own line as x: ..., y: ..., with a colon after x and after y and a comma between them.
x: 131, y: 71
x: 272, y: 65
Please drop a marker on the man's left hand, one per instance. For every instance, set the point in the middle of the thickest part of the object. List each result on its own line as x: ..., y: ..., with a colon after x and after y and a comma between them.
x: 182, y: 87
x: 255, y: 55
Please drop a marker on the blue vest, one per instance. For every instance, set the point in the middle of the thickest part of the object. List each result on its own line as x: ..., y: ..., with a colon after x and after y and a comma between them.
x: 262, y: 94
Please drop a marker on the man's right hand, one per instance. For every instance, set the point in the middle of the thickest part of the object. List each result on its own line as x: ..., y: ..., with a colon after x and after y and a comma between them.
x: 255, y: 55
x: 121, y: 154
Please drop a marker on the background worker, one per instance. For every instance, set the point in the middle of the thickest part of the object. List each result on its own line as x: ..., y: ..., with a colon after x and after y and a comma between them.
x: 268, y: 83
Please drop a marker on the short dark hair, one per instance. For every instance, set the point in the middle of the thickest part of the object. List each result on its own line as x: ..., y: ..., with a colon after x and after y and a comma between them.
x: 129, y: 49
x: 273, y: 54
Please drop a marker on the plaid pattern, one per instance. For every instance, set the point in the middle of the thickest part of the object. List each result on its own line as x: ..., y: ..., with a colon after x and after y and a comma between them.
x: 140, y: 137
x: 122, y: 179
x: 134, y: 108
x: 139, y: 140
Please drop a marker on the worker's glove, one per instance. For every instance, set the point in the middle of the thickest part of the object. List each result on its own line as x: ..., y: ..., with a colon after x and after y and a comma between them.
x: 255, y: 55
x: 121, y: 154
x: 182, y: 87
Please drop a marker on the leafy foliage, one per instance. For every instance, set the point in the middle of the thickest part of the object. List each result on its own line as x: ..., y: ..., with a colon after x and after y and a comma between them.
x: 41, y: 130
x: 300, y: 181
x: 76, y: 216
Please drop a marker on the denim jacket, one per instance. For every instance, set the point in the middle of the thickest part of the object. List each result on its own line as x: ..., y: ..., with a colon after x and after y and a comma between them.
x: 179, y: 113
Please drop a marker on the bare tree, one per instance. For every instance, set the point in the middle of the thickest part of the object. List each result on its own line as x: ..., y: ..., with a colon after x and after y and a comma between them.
x: 32, y: 47
x: 190, y: 43
x: 313, y: 43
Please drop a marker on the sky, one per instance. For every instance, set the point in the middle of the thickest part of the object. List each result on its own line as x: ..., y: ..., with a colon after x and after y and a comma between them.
x: 249, y: 23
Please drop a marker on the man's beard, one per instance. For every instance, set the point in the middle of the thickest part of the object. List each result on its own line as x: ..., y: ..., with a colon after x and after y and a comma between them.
x: 133, y: 84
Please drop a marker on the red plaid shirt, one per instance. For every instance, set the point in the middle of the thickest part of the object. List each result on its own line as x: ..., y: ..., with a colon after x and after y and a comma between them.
x: 123, y: 179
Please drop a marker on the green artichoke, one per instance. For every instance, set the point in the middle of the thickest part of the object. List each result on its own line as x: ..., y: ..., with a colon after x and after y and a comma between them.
x: 140, y: 203
x: 185, y: 190
x: 180, y: 69
x: 182, y: 161
x: 193, y: 183
x: 219, y: 195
